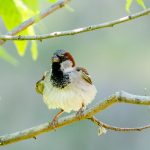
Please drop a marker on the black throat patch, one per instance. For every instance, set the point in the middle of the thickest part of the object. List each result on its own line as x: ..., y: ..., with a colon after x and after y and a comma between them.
x: 58, y: 78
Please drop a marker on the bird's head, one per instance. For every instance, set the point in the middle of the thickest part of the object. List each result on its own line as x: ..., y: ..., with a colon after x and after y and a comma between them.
x: 63, y: 59
x: 61, y: 56
x: 62, y: 63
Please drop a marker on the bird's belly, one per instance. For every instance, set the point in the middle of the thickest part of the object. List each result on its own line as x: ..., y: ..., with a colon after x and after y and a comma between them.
x: 69, y: 98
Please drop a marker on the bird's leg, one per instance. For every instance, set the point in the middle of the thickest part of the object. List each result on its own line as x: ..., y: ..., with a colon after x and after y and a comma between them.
x: 81, y: 110
x: 54, y: 122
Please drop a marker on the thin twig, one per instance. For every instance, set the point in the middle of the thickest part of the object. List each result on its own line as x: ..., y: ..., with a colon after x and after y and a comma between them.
x: 110, y: 127
x: 78, y: 30
x: 35, y: 19
x: 119, y: 97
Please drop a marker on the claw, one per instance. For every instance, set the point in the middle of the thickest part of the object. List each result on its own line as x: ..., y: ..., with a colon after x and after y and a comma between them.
x: 80, y: 112
x: 54, y: 122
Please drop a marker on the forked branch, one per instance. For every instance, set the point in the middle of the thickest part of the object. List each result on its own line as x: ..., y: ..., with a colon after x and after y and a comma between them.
x: 118, y: 97
x: 114, y: 128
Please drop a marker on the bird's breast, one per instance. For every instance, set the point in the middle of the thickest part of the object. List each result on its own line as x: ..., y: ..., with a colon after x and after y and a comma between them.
x: 70, y: 97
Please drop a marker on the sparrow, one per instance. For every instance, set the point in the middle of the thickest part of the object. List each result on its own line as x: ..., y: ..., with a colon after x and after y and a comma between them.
x: 66, y: 87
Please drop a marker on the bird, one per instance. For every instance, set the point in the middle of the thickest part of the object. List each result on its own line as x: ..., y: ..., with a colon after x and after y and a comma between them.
x: 66, y: 86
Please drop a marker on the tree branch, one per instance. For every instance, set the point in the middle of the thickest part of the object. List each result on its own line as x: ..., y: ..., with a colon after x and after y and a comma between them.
x: 78, y: 30
x: 109, y: 127
x: 118, y: 97
x: 35, y: 19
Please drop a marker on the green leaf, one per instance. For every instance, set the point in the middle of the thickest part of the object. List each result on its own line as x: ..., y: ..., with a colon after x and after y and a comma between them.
x: 128, y: 5
x: 7, y: 57
x: 34, y: 50
x: 21, y: 47
x: 19, y: 11
x: 11, y: 17
x: 141, y: 3
x: 129, y: 2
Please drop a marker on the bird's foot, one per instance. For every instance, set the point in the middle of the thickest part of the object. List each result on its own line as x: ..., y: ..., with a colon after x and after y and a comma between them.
x: 80, y: 112
x: 53, y: 123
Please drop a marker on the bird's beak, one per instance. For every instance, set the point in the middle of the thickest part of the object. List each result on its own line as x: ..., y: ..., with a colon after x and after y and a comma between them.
x: 55, y: 59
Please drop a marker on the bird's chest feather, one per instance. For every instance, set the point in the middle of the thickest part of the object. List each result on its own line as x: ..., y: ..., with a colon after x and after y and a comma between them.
x: 59, y: 78
x: 69, y: 97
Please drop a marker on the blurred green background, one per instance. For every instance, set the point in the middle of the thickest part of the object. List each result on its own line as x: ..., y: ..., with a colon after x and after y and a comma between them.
x: 117, y: 58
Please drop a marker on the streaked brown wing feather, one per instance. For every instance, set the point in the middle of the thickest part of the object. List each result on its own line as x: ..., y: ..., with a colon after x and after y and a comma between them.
x: 85, y: 74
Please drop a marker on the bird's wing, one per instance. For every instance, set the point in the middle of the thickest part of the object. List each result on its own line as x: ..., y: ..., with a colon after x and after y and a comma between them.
x: 85, y: 75
x: 40, y: 85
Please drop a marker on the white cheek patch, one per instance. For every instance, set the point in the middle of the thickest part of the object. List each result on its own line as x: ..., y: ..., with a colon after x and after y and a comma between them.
x: 66, y: 66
